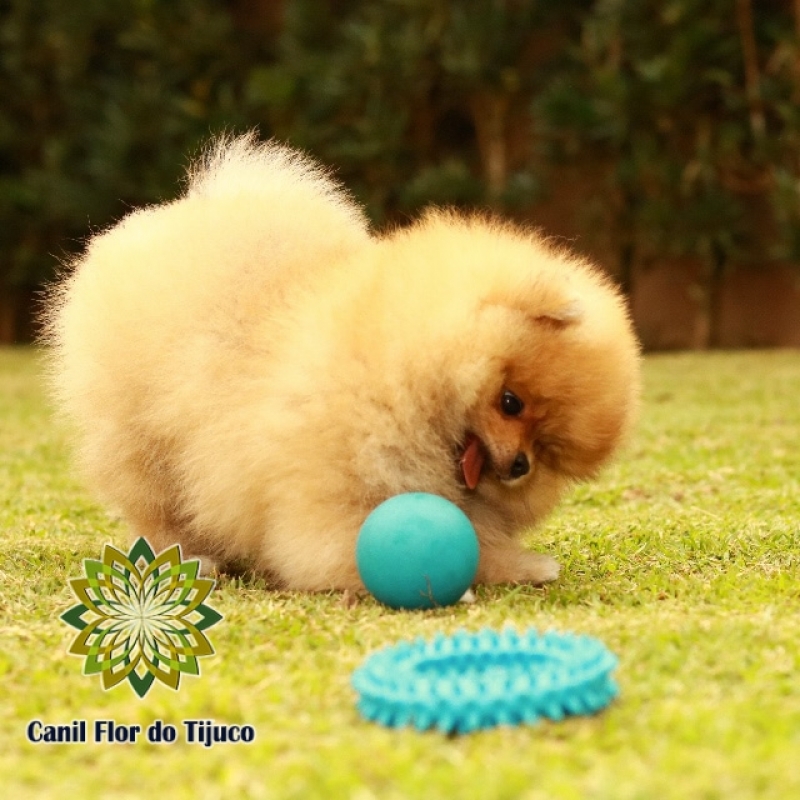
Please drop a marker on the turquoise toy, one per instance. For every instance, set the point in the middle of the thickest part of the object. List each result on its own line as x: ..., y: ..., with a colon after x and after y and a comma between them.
x: 417, y: 550
x: 471, y: 681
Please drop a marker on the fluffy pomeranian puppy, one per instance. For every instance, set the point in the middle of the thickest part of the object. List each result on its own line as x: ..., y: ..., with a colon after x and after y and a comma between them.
x: 250, y: 371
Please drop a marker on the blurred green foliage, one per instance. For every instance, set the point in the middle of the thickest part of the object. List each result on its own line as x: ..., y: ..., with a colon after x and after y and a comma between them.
x: 687, y: 110
x: 704, y: 164
x: 100, y: 103
x: 408, y: 97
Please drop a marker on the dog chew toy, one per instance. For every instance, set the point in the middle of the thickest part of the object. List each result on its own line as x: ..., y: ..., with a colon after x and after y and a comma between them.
x: 417, y: 550
x: 470, y: 681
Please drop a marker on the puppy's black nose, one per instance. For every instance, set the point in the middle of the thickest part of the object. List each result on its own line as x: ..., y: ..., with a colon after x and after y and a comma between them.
x: 520, y: 467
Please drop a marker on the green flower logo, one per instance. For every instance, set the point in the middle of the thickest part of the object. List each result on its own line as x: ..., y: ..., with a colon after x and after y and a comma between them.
x: 141, y: 617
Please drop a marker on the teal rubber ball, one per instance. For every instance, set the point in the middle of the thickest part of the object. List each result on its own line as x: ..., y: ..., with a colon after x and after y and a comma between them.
x: 417, y: 550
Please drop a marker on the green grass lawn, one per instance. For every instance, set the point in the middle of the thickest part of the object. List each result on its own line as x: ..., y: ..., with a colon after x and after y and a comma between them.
x: 684, y: 559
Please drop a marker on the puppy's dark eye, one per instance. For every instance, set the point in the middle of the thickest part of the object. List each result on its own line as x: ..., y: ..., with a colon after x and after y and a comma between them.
x: 510, y: 404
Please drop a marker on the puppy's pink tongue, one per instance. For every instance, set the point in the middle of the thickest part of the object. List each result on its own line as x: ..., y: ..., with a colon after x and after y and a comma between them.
x: 472, y: 461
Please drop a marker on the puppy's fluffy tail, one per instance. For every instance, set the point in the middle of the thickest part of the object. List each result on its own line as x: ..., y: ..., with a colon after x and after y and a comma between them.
x: 236, y: 166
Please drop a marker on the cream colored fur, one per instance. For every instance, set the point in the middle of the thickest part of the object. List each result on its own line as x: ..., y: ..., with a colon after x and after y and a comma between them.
x: 250, y: 371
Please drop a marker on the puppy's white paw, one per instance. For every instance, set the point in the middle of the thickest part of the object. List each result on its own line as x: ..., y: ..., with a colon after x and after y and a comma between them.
x: 517, y: 566
x: 536, y: 568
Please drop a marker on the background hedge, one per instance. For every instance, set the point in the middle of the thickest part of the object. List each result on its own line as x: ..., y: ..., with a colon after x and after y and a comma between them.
x: 672, y: 125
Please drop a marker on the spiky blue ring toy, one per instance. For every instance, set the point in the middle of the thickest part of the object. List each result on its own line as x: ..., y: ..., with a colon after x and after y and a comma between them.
x: 469, y: 681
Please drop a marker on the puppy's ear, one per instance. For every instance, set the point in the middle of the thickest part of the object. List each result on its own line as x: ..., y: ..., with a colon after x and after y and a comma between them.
x: 554, y: 304
x: 561, y: 316
x: 506, y: 321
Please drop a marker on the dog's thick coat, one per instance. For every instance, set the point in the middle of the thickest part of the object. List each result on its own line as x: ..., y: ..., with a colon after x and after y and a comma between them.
x: 250, y: 371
